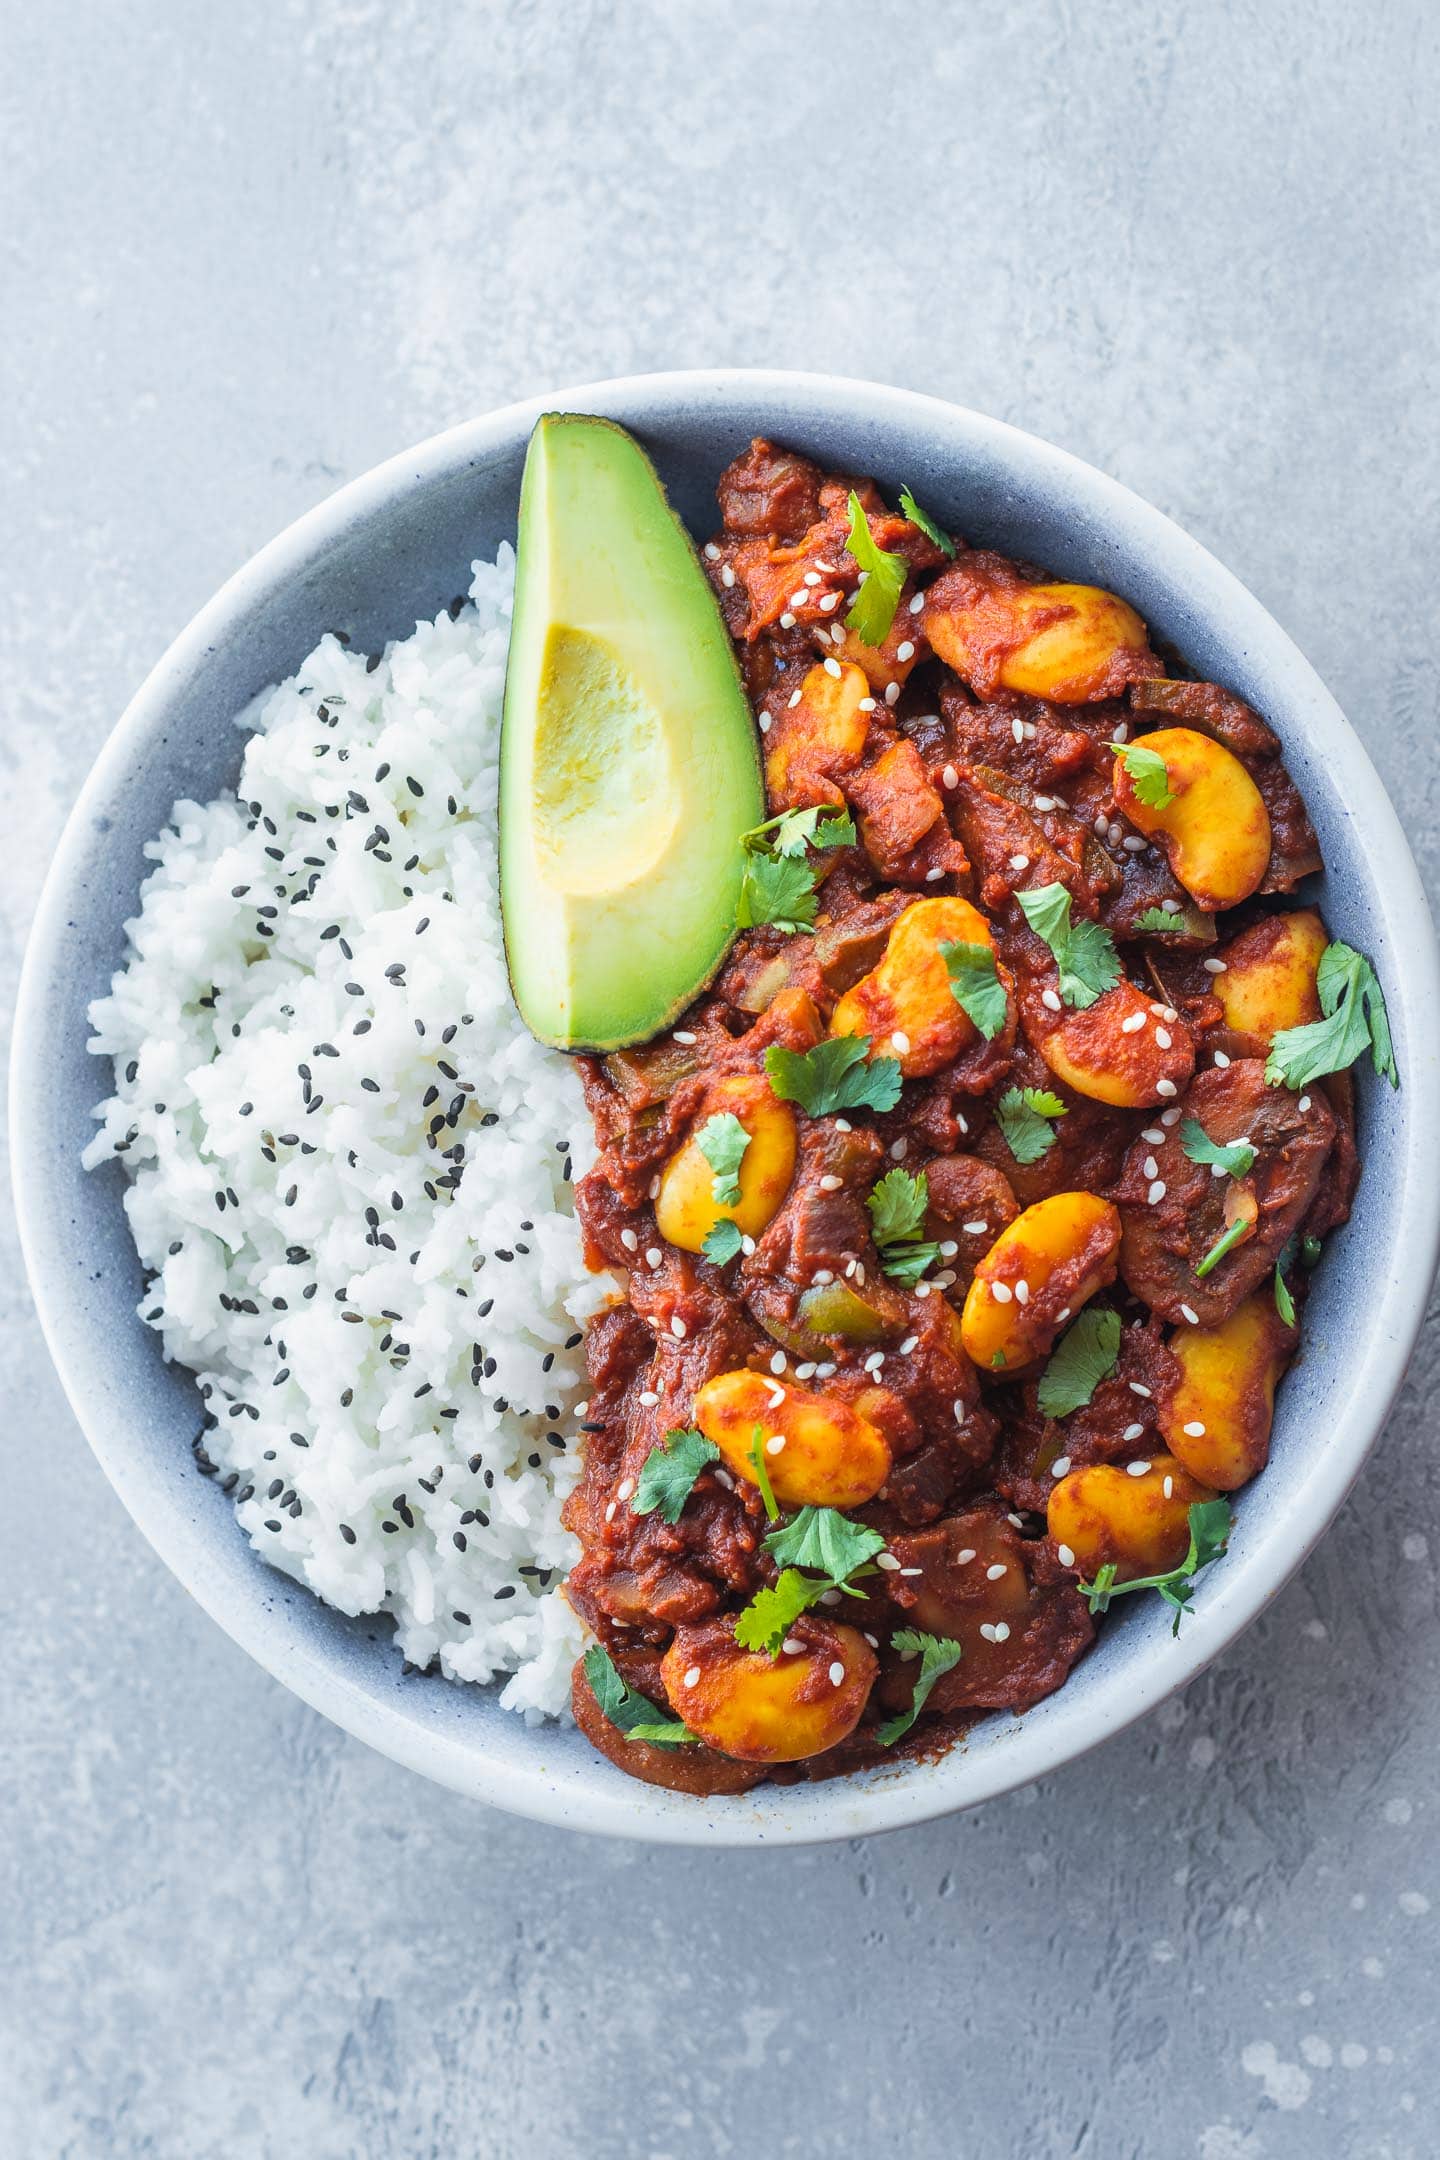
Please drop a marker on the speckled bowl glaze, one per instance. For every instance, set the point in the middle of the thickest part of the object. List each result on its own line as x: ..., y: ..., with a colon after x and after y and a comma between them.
x: 393, y: 547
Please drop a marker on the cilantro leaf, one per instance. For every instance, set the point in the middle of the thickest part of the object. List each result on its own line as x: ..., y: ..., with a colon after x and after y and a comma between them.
x: 833, y: 1076
x: 937, y: 1655
x: 897, y: 1214
x: 1355, y: 1021
x: 792, y: 831
x: 1149, y: 776
x: 1086, y: 1354
x: 633, y: 1715
x: 826, y: 1542
x: 777, y: 889
x: 873, y: 609
x: 722, y: 1140
x: 912, y: 510
x: 1226, y: 1242
x: 769, y: 1616
x: 978, y: 989
x: 668, y: 1475
x: 1023, y: 1115
x: 762, y: 1473
x: 1084, y: 953
x: 1164, y: 922
x: 720, y: 1245
x: 1237, y: 1157
x: 897, y: 1206
x: 1209, y: 1535
x: 1284, y: 1303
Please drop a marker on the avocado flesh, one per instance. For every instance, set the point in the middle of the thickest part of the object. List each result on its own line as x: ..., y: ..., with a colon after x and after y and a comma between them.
x: 629, y: 765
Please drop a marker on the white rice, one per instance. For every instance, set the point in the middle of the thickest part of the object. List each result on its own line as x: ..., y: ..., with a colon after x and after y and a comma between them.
x: 389, y: 1364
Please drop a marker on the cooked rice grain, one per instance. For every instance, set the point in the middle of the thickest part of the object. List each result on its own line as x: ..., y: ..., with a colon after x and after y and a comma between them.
x: 349, y: 1162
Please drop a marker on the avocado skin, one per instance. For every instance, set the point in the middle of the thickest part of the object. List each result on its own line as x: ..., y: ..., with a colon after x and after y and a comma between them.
x: 629, y: 757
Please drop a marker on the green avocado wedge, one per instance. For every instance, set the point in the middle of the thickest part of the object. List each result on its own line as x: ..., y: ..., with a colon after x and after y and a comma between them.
x: 629, y: 760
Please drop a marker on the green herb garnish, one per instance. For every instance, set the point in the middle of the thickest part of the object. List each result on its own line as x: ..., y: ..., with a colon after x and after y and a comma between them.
x: 1236, y: 1156
x: 897, y: 1214
x: 978, y: 989
x: 722, y: 1140
x: 720, y: 1245
x: 833, y: 1076
x: 631, y: 1714
x: 762, y: 1473
x: 1284, y: 1303
x: 1024, y: 1116
x: 1086, y: 1354
x: 912, y: 510
x: 668, y: 1475
x: 1148, y: 774
x: 937, y: 1655
x: 1163, y: 921
x: 777, y: 889
x: 791, y: 832
x: 1084, y: 953
x: 768, y: 1618
x: 873, y: 609
x: 1209, y: 1535
x: 1225, y: 1243
x: 1355, y: 1021
x: 827, y: 1543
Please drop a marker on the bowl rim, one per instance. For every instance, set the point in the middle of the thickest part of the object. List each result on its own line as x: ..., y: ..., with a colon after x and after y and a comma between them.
x: 850, y: 1807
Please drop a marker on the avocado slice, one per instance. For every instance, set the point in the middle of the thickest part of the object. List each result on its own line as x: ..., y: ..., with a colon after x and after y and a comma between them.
x: 629, y: 759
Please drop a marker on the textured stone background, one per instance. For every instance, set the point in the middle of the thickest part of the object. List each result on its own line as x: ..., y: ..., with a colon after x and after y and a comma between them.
x: 244, y: 253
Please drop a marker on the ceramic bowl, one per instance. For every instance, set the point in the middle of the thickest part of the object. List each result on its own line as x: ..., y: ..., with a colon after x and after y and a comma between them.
x: 393, y: 547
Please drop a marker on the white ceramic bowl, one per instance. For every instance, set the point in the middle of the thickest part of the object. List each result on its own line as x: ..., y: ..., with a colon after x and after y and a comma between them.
x: 394, y: 546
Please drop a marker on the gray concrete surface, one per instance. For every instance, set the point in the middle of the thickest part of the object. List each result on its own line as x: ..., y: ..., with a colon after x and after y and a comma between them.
x: 244, y: 253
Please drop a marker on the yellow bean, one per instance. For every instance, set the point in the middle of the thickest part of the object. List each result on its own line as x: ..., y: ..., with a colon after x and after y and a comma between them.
x: 819, y: 1451
x: 1268, y: 979
x: 1035, y: 1278
x: 686, y: 1210
x: 1142, y: 1523
x: 1217, y: 1421
x: 1216, y: 830
x: 762, y: 1709
x: 906, y: 1004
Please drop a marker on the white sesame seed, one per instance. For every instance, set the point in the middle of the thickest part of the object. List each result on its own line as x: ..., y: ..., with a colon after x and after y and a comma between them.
x: 1136, y: 1388
x: 1122, y: 731
x: 911, y: 1342
x: 1060, y: 1466
x: 1001, y: 1292
x: 1157, y: 1192
x: 829, y: 1597
x: 829, y: 1183
x: 875, y: 1360
x: 649, y: 1398
x: 684, y: 1035
x: 805, y: 1371
x: 792, y: 1646
x: 677, y: 1329
x: 832, y: 667
x: 1115, y: 835
x: 842, y: 1124
x: 610, y: 1512
x: 932, y: 877
x: 798, y: 599
x: 1166, y: 1087
x: 1165, y: 1012
x: 747, y: 1246
x: 1195, y: 1429
x: 1132, y: 1432
x: 826, y: 1371
x: 987, y: 1630
x: 962, y: 1122
x: 1164, y: 1038
x: 766, y: 722
x: 692, y: 1677
x: 963, y: 1559
x: 712, y: 553
x: 837, y: 1674
x: 993, y: 1574
x: 777, y: 1396
x: 1000, y: 1632
x: 787, y: 621
x: 1044, y: 802
x: 1214, y: 967
x: 1304, y: 1103
x: 1050, y: 1000
x: 1153, y: 1135
x: 1150, y: 1167
x: 867, y: 704
x: 827, y: 567
x: 582, y: 1409
x: 905, y: 651
x: 777, y: 1363
x: 723, y: 1477
x: 1170, y: 907
x: 727, y: 576
x: 1065, y: 1556
x: 1136, y: 1469
x: 775, y: 1445
x: 823, y: 1275
x: 950, y: 778
x: 873, y: 1640
x: 624, y: 1489
x: 629, y: 1240
x: 1022, y: 1292
x: 912, y: 1571
x: 1102, y: 826
x: 813, y: 577
x: 960, y: 1413
x: 795, y: 697
x: 1217, y: 1169
x: 972, y: 1229
x: 1168, y: 1488
x: 1188, y: 1312
x: 1133, y: 844
x: 837, y: 632
x: 850, y: 1267
x: 899, y: 1149
x: 1017, y: 729
x: 917, y: 602
x: 1019, y: 862
x: 922, y: 1289
x: 887, y: 1561
x: 1133, y: 1024
x: 892, y: 692
x: 900, y: 1041
x: 829, y: 600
